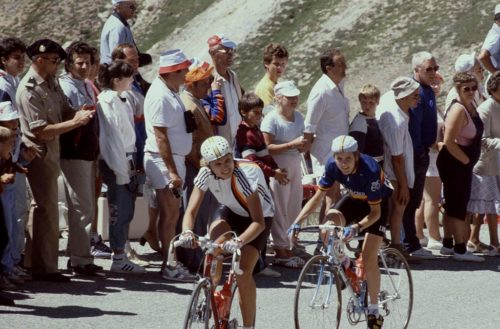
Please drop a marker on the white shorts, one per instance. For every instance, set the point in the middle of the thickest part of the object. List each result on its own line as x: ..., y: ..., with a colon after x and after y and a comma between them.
x: 157, y: 171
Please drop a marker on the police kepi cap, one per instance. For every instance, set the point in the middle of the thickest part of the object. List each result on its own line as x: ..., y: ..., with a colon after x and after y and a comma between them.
x: 45, y: 46
x: 403, y: 86
x: 343, y: 144
x: 8, y: 112
x: 173, y: 60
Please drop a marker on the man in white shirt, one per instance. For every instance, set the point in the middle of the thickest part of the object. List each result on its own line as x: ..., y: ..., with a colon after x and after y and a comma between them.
x: 327, y: 113
x: 222, y: 50
x: 490, y: 52
x: 393, y: 115
x: 168, y: 142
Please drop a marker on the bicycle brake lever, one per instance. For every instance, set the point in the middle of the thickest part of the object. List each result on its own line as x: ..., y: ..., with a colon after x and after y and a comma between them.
x: 236, y: 261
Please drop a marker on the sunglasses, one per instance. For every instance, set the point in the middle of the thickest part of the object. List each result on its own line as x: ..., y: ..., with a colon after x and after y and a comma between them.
x: 468, y: 89
x: 228, y: 51
x: 55, y: 60
x: 432, y: 68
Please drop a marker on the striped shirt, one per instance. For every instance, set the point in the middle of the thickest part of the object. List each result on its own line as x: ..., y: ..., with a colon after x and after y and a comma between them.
x: 247, y: 178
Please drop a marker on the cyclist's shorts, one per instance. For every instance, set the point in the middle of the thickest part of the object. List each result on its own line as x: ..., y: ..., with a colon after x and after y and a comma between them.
x: 240, y: 223
x: 355, y: 210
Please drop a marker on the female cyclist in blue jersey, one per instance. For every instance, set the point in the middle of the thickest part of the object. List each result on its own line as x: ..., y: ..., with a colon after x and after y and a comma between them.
x: 246, y: 208
x: 362, y: 209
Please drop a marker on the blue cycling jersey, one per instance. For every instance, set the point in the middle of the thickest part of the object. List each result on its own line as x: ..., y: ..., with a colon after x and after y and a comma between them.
x: 367, y: 182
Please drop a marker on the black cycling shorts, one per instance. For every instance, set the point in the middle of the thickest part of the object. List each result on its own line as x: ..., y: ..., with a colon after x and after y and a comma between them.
x: 240, y: 223
x: 355, y: 210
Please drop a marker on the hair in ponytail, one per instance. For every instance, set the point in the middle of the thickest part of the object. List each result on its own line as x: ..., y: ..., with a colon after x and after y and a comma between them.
x: 116, y: 70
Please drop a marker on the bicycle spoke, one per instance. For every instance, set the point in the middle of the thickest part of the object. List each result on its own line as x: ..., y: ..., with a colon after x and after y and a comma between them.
x: 199, y: 311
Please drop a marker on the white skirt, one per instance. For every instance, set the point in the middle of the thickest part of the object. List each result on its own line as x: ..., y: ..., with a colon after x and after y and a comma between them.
x: 485, y: 195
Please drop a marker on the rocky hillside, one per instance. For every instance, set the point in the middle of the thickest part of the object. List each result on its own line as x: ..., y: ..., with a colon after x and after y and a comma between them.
x: 377, y: 36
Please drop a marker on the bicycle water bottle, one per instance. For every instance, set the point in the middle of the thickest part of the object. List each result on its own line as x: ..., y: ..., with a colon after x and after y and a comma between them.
x: 223, y: 298
x: 360, y: 268
x: 351, y: 276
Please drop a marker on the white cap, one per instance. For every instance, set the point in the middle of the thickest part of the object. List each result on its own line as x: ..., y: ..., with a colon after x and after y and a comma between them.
x: 173, y: 60
x: 214, y: 148
x: 115, y: 2
x: 220, y: 39
x: 465, y: 62
x: 8, y: 112
x: 286, y: 88
x: 404, y: 86
x: 344, y: 144
x: 497, y: 9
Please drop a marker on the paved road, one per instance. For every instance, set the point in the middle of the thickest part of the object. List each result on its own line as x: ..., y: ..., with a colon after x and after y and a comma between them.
x: 447, y: 295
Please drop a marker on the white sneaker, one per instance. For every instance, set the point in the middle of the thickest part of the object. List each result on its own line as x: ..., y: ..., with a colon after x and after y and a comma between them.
x: 124, y: 265
x: 446, y: 251
x: 177, y: 273
x: 434, y: 244
x: 424, y: 241
x: 468, y: 257
x: 269, y: 272
x: 422, y: 254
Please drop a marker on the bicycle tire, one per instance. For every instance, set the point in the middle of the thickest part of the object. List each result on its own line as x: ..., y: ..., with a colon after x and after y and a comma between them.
x: 318, y: 282
x: 235, y: 317
x: 396, y: 290
x: 199, y: 313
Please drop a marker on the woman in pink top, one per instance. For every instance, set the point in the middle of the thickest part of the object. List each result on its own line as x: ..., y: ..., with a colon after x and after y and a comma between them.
x: 462, y: 146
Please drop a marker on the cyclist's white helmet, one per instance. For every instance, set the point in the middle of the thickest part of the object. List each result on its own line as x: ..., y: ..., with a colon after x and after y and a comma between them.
x: 344, y: 144
x: 214, y: 148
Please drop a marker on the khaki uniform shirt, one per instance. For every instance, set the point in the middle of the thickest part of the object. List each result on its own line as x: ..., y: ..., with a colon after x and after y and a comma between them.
x: 204, y: 127
x: 40, y: 103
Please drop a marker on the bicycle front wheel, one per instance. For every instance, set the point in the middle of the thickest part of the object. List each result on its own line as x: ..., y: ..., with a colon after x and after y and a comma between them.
x: 199, y: 311
x: 396, y: 289
x: 317, y: 295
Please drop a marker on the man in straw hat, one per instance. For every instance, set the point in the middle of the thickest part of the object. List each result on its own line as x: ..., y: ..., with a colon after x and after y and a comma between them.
x: 169, y: 140
x: 393, y: 115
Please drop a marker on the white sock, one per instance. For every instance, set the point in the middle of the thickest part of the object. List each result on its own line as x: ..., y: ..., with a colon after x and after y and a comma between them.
x: 373, y: 309
x: 118, y: 257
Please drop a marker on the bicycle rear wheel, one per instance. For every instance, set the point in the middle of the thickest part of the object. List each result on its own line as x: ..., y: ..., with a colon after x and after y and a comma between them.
x: 317, y: 295
x: 199, y: 313
x: 396, y: 289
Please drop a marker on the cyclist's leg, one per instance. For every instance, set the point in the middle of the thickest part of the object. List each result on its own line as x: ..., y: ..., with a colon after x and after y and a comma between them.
x: 216, y: 232
x: 246, y: 284
x: 370, y: 262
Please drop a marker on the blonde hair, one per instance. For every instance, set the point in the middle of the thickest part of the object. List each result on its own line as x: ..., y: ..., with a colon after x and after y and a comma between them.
x: 369, y: 91
x: 5, y: 134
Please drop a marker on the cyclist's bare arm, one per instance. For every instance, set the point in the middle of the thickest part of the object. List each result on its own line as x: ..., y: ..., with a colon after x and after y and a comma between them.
x: 372, y: 217
x: 257, y: 216
x: 310, y: 206
x: 192, y: 209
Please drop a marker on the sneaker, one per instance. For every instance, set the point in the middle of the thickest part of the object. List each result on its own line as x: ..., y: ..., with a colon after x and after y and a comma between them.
x: 468, y: 257
x: 5, y: 284
x: 422, y: 254
x: 269, y: 272
x: 409, y: 258
x: 178, y: 273
x: 424, y: 241
x: 434, y: 244
x: 14, y: 278
x: 88, y: 270
x: 99, y: 249
x: 446, y: 251
x: 136, y: 258
x: 124, y: 265
x: 374, y: 322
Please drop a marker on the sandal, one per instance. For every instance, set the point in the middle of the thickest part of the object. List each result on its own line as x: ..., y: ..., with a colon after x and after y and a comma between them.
x: 482, y: 248
x: 292, y: 262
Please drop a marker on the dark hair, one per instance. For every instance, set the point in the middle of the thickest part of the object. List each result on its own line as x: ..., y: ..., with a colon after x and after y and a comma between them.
x: 248, y: 102
x: 493, y: 83
x: 118, y: 53
x: 116, y: 70
x: 274, y: 50
x: 76, y: 47
x: 326, y: 58
x: 462, y: 78
x: 94, y: 55
x: 10, y: 45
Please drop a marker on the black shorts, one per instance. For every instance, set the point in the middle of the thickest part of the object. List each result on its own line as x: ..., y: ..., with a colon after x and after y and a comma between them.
x: 355, y: 210
x: 240, y: 223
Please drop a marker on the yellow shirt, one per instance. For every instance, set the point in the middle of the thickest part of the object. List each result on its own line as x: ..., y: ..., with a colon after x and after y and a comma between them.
x: 265, y: 90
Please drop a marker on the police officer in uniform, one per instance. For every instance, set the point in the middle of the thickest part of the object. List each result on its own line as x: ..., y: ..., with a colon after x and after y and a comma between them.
x: 45, y: 114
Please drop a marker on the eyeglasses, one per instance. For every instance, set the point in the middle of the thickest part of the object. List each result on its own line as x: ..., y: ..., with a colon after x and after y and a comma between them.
x: 55, y: 60
x: 228, y: 51
x: 432, y: 68
x: 468, y: 89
